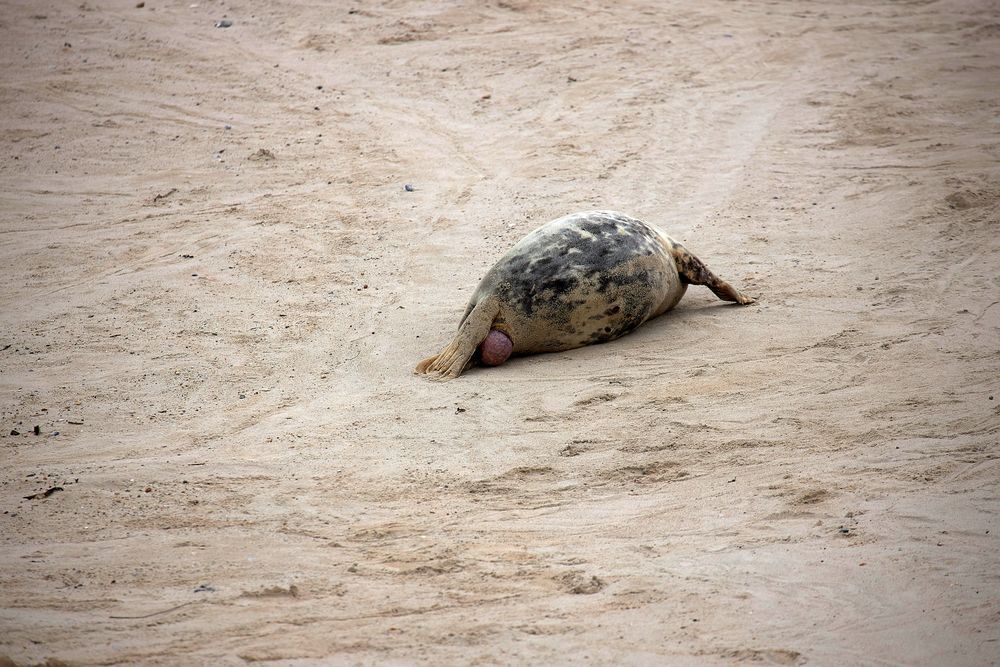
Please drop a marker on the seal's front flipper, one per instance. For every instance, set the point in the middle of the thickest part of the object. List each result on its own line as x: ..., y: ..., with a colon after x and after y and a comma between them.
x: 692, y: 270
x: 457, y: 355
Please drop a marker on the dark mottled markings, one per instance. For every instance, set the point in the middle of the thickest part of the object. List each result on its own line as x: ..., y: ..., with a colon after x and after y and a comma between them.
x: 634, y: 314
x: 544, y: 273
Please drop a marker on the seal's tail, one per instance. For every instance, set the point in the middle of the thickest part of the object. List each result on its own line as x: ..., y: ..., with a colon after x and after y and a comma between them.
x: 457, y: 355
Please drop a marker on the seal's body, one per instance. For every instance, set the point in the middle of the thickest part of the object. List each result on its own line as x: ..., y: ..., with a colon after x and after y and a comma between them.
x: 585, y: 278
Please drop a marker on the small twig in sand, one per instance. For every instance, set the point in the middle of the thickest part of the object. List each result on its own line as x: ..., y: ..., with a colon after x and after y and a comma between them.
x: 157, y: 613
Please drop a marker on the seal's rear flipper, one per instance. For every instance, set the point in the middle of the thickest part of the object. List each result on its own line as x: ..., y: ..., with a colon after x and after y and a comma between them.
x: 457, y: 355
x: 692, y: 270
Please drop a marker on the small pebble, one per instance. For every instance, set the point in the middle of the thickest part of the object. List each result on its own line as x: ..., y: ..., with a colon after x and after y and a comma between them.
x: 408, y: 187
x: 224, y: 23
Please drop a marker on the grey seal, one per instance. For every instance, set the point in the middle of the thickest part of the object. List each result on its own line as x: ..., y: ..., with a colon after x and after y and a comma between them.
x: 585, y: 278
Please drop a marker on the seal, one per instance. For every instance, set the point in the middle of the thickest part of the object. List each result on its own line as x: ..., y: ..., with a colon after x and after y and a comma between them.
x: 585, y: 278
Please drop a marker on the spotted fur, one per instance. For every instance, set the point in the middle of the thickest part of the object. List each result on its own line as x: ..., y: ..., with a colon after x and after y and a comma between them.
x: 585, y: 278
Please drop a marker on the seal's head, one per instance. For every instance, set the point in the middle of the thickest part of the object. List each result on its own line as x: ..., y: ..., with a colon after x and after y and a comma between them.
x: 495, y: 348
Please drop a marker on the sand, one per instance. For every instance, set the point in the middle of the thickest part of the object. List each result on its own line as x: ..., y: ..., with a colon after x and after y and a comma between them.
x: 216, y: 286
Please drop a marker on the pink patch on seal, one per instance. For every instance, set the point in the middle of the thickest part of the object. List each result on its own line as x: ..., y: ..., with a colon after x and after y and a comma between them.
x: 496, y: 348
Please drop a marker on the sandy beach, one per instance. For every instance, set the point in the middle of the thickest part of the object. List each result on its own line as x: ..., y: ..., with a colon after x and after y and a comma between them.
x: 216, y: 285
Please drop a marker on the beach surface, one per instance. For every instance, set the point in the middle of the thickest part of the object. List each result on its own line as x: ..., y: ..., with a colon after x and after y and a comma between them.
x: 225, y: 247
